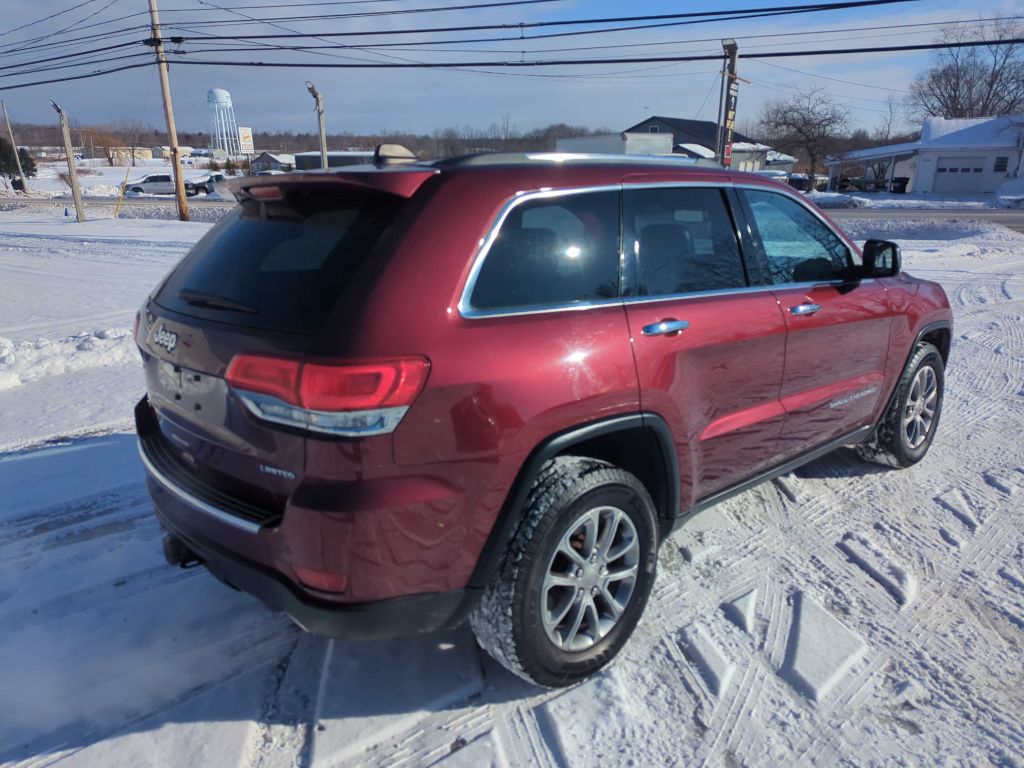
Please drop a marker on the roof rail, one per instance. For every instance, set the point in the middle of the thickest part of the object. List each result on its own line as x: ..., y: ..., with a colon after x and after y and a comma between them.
x: 393, y: 154
x: 543, y: 158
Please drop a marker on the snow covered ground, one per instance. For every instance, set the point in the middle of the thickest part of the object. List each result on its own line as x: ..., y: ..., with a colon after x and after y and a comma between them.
x: 909, y: 201
x: 841, y: 615
x: 95, y: 180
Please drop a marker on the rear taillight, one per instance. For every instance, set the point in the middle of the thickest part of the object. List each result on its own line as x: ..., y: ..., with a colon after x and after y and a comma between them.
x: 348, y: 398
x: 275, y: 376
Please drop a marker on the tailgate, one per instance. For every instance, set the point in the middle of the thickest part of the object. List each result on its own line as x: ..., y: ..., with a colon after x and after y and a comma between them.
x: 198, y: 433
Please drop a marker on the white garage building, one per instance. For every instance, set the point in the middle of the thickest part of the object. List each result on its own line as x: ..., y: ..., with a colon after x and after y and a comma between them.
x: 952, y: 157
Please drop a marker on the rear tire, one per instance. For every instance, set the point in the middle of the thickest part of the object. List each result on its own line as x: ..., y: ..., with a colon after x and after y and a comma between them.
x: 906, y: 430
x: 574, y: 582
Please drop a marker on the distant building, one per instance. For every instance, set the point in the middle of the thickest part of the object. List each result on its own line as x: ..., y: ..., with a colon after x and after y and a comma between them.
x: 305, y: 161
x: 698, y: 138
x: 952, y: 157
x: 265, y: 161
x: 625, y: 143
x: 165, y: 152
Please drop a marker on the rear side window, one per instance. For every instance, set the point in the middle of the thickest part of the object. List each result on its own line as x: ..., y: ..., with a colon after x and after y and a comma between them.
x: 279, y: 265
x: 682, y: 241
x: 798, y: 246
x: 552, y: 251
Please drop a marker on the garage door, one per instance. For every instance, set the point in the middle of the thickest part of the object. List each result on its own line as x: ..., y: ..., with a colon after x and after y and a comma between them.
x: 956, y: 175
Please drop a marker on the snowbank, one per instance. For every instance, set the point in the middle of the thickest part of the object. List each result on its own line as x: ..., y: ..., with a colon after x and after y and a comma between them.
x: 30, y: 361
x: 1011, y: 193
x: 835, y: 200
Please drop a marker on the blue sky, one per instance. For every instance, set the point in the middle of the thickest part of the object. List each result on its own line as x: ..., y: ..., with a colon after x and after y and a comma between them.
x: 612, y: 96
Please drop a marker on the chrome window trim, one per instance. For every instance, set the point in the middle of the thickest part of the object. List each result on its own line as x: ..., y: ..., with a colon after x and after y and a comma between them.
x: 733, y: 291
x: 467, y: 311
x: 194, y: 501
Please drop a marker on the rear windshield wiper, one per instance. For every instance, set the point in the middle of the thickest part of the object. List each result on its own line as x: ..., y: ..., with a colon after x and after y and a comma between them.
x: 200, y: 299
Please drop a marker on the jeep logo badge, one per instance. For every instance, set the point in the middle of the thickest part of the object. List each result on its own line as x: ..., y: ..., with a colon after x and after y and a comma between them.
x: 164, y: 338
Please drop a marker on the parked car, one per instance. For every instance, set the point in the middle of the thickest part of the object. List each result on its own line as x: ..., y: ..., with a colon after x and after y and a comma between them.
x: 390, y: 400
x: 205, y: 184
x: 153, y: 184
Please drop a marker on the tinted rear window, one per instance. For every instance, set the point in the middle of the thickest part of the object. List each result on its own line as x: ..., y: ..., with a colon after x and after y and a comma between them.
x: 279, y: 265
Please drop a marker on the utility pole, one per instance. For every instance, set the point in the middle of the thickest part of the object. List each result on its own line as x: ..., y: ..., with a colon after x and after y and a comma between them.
x: 727, y: 109
x: 14, y: 146
x: 320, y: 114
x: 172, y: 132
x: 72, y: 172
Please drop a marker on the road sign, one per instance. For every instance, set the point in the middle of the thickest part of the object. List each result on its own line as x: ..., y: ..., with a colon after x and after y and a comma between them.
x: 245, y: 143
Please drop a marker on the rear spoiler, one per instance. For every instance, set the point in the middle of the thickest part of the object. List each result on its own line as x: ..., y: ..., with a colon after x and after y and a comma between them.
x: 401, y: 181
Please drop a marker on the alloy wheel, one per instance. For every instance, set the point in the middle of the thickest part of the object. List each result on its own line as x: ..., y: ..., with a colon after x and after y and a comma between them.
x: 922, y: 401
x: 590, y: 579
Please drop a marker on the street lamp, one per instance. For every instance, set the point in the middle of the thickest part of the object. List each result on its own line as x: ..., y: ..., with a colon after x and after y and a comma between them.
x: 72, y: 173
x: 320, y: 116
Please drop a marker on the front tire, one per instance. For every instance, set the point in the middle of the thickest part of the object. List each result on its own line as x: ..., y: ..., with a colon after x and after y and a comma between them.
x: 907, y: 429
x: 574, y: 582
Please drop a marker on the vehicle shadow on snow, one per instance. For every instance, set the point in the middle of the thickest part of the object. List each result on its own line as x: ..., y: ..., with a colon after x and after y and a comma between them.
x: 843, y: 462
x: 105, y: 645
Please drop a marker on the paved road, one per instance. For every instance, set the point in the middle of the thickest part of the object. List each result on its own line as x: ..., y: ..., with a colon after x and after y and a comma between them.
x: 1014, y: 219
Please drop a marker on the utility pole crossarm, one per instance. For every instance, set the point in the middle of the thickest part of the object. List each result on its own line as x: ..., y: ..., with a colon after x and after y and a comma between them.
x: 172, y: 132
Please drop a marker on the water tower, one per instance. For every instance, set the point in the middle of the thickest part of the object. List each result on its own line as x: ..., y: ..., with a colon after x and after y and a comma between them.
x: 223, y: 128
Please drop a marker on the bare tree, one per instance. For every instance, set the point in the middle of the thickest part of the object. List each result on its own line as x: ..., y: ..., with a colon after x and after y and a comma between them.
x: 981, y: 81
x: 133, y: 135
x: 881, y: 136
x: 809, y: 121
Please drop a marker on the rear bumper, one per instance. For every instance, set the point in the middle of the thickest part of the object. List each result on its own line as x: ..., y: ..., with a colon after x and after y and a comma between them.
x: 395, y: 617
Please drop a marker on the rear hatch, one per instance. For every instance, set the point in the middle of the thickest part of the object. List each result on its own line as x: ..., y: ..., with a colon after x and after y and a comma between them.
x: 261, y: 282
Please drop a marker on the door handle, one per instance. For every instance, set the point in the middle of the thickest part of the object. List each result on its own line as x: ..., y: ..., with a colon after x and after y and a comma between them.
x: 667, y: 327
x: 805, y: 309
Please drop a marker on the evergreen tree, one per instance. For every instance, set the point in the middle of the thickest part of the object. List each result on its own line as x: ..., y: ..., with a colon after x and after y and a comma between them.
x: 8, y: 163
x: 28, y: 165
x: 230, y: 167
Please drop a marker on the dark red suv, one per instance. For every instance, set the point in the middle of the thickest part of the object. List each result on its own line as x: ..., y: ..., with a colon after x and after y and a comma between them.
x: 392, y: 398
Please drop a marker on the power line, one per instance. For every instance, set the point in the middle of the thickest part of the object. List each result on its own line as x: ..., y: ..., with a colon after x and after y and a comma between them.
x: 92, y: 15
x: 586, y: 62
x: 781, y: 10
x: 65, y: 56
x: 71, y: 42
x: 833, y: 79
x: 716, y: 40
x: 47, y: 18
x: 75, y: 65
x: 69, y: 78
x: 372, y: 14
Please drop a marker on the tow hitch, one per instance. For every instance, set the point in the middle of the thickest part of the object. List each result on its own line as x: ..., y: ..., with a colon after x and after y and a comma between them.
x: 177, y: 553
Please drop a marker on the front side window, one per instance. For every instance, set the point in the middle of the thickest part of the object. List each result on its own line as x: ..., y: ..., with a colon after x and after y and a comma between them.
x: 552, y: 252
x: 798, y: 246
x: 682, y: 241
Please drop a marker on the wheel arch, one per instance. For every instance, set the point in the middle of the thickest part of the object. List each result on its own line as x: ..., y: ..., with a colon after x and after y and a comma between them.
x: 638, y: 443
x: 940, y: 335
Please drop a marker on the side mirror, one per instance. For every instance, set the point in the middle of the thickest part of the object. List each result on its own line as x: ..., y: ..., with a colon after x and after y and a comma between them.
x: 882, y: 258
